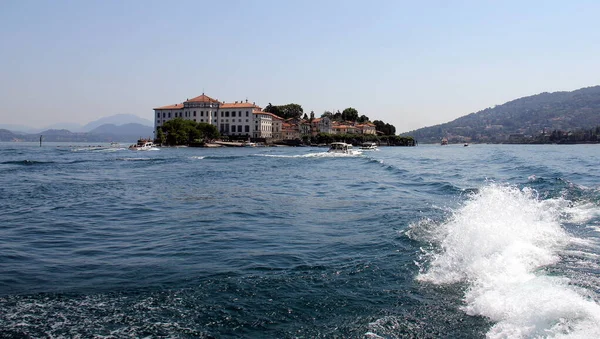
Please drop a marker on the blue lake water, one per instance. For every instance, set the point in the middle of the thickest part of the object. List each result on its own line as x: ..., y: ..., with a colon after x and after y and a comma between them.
x: 425, y: 242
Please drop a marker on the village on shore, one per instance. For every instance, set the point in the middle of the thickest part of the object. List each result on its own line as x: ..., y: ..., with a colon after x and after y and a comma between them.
x: 240, y: 123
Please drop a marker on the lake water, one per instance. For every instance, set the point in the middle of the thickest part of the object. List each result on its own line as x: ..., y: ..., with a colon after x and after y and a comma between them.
x: 279, y: 242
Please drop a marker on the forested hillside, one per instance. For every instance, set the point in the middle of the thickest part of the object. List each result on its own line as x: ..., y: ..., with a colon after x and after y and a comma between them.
x: 521, y: 118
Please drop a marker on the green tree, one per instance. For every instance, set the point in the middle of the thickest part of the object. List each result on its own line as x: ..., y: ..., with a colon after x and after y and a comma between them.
x: 337, y: 116
x: 160, y: 136
x: 273, y: 109
x: 327, y: 114
x: 384, y: 128
x: 183, y: 132
x: 208, y: 131
x: 350, y: 114
x: 293, y: 111
x: 289, y: 111
x: 362, y: 119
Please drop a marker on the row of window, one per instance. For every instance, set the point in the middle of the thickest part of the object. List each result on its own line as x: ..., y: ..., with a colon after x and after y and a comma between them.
x: 189, y: 114
x: 239, y: 128
x: 201, y: 120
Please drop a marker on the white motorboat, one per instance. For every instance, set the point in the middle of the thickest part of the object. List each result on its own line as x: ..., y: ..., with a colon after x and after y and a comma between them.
x: 369, y: 146
x: 143, y: 145
x: 341, y: 148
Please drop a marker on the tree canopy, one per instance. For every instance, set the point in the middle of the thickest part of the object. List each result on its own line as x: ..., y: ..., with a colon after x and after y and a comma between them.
x: 350, y: 114
x: 384, y: 128
x: 179, y: 131
x: 288, y: 111
x: 327, y: 114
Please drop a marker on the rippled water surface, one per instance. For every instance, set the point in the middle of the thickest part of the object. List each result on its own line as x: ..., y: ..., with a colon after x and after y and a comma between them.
x: 429, y: 242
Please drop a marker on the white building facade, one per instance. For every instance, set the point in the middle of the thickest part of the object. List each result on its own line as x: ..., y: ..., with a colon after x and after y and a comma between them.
x: 263, y: 125
x: 232, y: 119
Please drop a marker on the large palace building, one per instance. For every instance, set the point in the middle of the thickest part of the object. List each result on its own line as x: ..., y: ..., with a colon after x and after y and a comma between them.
x: 236, y: 118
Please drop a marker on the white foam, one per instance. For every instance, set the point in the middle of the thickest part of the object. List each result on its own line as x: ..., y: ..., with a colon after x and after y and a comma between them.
x: 497, y: 243
x: 310, y: 155
x: 582, y: 212
x: 197, y: 157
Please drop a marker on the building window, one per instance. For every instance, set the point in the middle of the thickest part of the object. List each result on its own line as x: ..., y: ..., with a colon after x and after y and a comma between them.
x: 240, y: 128
x: 233, y: 128
x: 201, y: 113
x: 164, y: 114
x: 222, y: 114
x: 233, y: 113
x: 246, y: 120
x: 227, y: 113
x: 247, y: 113
x: 169, y: 114
x: 194, y: 113
x: 239, y: 120
x: 194, y: 120
x: 247, y: 128
x: 158, y: 115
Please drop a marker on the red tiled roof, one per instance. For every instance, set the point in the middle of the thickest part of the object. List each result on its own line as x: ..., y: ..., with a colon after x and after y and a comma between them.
x: 176, y: 106
x: 202, y: 98
x: 238, y: 105
x: 275, y: 116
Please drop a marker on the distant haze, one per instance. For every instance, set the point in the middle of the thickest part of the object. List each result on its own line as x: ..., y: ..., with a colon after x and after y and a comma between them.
x: 411, y: 64
x: 117, y: 119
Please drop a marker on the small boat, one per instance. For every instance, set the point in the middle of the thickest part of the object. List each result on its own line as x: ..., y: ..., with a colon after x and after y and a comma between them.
x: 466, y: 145
x: 342, y: 148
x: 444, y: 142
x: 143, y: 145
x: 369, y: 146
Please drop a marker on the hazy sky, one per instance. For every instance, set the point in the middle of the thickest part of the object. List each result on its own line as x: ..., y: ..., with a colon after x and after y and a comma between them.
x: 409, y: 63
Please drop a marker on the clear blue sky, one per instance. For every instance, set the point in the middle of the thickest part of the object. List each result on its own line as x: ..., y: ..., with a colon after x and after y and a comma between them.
x: 409, y: 63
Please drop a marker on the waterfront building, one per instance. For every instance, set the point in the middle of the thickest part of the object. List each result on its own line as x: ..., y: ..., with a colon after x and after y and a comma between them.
x: 263, y: 125
x: 366, y: 128
x: 234, y: 119
x: 344, y: 129
x: 321, y: 125
x: 290, y: 131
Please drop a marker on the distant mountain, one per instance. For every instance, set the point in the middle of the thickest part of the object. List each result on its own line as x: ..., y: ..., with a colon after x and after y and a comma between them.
x: 73, y: 127
x: 18, y: 128
x: 118, y: 119
x: 6, y: 135
x: 131, y: 131
x: 104, y: 133
x: 524, y: 117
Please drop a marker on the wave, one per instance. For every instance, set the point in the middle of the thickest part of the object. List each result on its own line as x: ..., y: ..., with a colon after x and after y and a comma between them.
x: 139, y: 159
x: 26, y: 162
x: 97, y: 149
x: 505, y: 244
x: 310, y: 155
